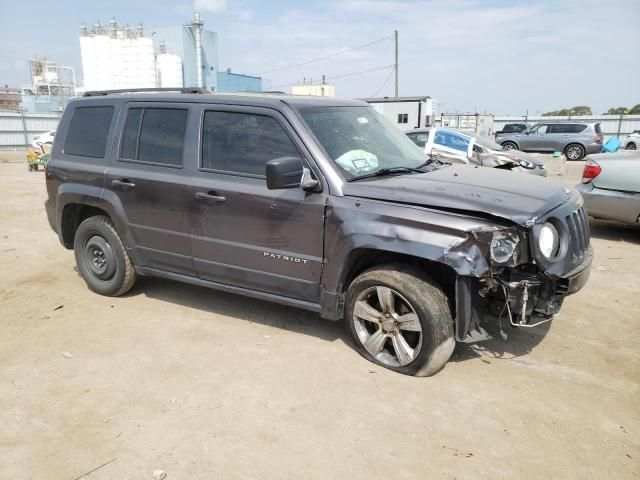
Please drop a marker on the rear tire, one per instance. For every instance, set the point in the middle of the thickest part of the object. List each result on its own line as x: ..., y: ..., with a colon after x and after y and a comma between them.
x: 101, y: 257
x: 400, y: 319
x: 631, y: 146
x: 510, y: 146
x: 574, y: 152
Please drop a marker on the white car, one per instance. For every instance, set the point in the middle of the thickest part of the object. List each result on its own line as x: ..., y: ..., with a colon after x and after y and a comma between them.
x: 42, y: 139
x: 454, y: 146
x: 632, y: 142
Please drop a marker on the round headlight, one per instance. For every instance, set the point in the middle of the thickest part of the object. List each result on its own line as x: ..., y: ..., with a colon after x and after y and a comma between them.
x: 548, y: 240
x: 525, y: 163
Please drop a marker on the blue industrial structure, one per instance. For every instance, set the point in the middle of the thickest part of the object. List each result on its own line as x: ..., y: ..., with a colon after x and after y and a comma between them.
x: 237, y: 82
x: 180, y: 40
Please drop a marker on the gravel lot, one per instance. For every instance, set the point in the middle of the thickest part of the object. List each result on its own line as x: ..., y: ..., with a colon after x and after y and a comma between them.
x: 204, y: 384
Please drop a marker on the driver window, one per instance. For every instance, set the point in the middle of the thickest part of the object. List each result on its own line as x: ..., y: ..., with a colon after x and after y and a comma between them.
x: 452, y: 140
x: 243, y: 143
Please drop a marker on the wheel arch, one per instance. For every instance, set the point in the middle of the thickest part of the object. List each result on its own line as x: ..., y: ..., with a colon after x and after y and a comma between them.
x: 76, y: 203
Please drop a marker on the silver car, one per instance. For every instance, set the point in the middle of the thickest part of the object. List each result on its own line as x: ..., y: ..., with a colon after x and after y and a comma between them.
x: 632, y: 141
x: 611, y: 186
x: 454, y: 146
x: 574, y: 139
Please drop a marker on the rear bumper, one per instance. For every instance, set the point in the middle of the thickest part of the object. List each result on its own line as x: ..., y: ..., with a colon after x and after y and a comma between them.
x: 610, y: 204
x: 594, y: 148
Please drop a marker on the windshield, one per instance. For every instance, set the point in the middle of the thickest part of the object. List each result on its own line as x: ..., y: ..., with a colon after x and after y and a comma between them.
x: 486, y: 143
x: 360, y: 140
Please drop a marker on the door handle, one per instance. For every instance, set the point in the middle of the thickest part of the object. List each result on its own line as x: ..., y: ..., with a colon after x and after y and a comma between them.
x: 123, y: 184
x: 211, y: 198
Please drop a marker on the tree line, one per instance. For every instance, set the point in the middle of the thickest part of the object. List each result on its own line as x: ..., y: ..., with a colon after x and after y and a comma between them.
x: 586, y: 110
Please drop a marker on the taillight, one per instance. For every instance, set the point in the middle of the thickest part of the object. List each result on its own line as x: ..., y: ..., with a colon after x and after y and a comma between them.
x: 597, y: 138
x: 591, y: 171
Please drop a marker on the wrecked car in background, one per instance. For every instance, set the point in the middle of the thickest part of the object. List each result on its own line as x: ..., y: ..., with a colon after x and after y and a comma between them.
x: 316, y: 203
x: 468, y: 148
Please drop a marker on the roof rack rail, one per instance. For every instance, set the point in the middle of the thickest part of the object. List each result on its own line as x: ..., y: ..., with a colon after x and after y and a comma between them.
x: 101, y: 93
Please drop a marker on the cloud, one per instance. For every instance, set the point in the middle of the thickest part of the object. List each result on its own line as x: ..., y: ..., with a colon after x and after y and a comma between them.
x: 210, y: 5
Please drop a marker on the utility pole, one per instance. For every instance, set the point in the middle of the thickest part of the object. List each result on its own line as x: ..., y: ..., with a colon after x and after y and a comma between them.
x: 396, y: 62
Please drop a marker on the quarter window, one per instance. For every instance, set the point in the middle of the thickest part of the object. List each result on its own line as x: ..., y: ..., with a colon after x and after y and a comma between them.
x: 155, y: 135
x: 88, y: 131
x: 243, y: 142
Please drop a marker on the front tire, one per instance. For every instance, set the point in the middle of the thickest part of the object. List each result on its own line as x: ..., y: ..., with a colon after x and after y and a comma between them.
x: 574, y: 152
x: 510, y: 146
x: 630, y: 146
x: 400, y: 319
x: 101, y: 257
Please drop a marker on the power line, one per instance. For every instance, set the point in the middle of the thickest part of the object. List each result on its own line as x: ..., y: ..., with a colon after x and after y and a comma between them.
x: 317, y: 59
x: 385, y: 82
x: 340, y: 75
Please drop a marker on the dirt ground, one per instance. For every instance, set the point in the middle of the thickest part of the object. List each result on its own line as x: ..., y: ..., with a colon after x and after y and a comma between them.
x: 204, y: 384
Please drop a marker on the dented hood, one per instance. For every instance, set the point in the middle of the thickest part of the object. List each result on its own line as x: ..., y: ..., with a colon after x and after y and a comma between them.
x: 518, y: 198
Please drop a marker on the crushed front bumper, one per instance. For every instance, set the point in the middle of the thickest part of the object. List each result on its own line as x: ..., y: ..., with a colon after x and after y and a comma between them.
x: 522, y: 298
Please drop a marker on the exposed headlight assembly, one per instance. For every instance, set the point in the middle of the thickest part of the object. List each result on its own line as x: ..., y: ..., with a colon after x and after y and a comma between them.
x: 525, y: 163
x: 504, y: 246
x: 549, y: 240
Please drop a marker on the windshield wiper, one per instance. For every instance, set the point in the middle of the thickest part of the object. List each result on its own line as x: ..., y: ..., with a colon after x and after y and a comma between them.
x: 387, y: 171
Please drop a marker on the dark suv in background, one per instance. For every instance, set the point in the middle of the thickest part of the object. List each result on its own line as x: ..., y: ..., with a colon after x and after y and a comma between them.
x: 315, y: 203
x: 574, y: 139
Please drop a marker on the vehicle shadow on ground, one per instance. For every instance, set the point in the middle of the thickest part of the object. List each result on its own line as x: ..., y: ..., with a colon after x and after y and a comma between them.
x: 519, y: 342
x: 617, y: 232
x: 240, y: 308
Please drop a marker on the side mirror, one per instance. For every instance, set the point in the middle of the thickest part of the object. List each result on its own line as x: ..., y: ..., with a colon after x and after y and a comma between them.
x: 284, y: 172
x: 526, y: 132
x: 289, y: 172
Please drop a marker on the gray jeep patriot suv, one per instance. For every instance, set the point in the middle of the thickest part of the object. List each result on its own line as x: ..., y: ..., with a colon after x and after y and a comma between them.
x: 316, y: 203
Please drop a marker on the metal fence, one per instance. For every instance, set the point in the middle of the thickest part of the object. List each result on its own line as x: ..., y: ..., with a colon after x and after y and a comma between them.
x: 17, y: 129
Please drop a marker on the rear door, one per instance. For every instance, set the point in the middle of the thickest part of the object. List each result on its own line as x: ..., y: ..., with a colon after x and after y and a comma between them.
x: 243, y: 233
x: 146, y: 176
x: 451, y: 145
x: 561, y: 134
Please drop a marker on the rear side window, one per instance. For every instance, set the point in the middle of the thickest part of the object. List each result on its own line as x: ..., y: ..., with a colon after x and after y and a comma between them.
x: 243, y: 142
x: 567, y: 128
x: 88, y: 131
x: 155, y: 135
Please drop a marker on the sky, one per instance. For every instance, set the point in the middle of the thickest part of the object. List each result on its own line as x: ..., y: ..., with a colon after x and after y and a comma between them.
x: 502, y: 57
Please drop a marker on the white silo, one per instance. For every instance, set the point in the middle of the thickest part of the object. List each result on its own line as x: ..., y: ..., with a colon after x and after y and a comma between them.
x: 169, y: 69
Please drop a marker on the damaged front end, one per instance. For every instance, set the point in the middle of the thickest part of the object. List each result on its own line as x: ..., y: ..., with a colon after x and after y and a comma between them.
x: 519, y: 275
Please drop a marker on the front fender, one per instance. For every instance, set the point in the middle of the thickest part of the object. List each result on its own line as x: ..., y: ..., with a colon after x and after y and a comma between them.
x: 458, y: 240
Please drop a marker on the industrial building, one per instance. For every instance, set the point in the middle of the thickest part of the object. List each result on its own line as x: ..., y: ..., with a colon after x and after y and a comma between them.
x: 9, y: 98
x: 406, y: 113
x: 238, y: 82
x: 195, y: 46
x: 318, y: 90
x: 51, y: 88
x: 116, y: 57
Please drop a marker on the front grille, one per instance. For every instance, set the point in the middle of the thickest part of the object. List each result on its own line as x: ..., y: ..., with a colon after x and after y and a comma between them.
x: 578, y: 225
